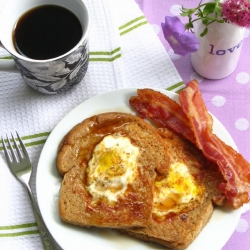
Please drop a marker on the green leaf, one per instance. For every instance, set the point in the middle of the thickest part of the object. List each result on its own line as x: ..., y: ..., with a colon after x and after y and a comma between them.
x: 203, y: 12
x: 188, y: 12
x: 221, y: 21
x: 210, y: 18
x: 209, y: 8
x: 200, y: 13
x: 184, y: 14
x: 186, y: 9
x: 218, y: 10
x: 204, y: 32
x: 204, y: 21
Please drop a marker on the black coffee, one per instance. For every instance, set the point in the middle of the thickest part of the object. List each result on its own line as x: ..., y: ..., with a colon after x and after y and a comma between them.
x: 46, y: 32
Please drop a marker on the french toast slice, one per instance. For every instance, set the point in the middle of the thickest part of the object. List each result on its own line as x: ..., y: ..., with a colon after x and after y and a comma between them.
x: 109, y: 163
x: 177, y: 232
x: 177, y: 218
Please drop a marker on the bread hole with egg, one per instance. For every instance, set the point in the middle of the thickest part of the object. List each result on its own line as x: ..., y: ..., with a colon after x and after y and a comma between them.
x: 109, y: 164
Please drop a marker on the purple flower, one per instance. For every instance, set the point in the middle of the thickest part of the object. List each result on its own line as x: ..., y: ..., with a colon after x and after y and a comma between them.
x: 182, y: 42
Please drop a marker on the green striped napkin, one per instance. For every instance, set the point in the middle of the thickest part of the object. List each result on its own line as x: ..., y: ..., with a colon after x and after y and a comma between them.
x: 124, y: 52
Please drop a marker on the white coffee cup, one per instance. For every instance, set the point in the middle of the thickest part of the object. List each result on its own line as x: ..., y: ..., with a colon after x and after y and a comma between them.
x: 49, y: 76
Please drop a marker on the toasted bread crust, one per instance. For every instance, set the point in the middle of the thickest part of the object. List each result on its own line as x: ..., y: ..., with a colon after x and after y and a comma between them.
x: 135, y: 208
x: 179, y: 231
x: 81, y: 136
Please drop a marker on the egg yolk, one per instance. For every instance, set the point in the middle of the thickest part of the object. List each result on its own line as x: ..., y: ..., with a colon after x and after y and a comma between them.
x: 112, y: 167
x: 177, y: 188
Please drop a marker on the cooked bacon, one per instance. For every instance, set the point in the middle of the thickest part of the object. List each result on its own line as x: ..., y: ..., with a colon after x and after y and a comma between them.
x: 234, y: 168
x: 163, y: 110
x: 192, y: 120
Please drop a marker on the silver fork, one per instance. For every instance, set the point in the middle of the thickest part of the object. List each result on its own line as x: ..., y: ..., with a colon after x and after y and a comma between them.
x: 21, y: 168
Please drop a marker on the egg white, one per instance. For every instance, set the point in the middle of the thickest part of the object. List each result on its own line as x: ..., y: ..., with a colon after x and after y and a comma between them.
x: 177, y: 188
x: 112, y: 167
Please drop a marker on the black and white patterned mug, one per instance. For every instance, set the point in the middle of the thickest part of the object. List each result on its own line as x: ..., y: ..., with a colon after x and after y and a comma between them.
x: 53, y: 75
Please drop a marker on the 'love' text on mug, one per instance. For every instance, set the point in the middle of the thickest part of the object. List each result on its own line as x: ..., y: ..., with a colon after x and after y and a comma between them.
x: 222, y: 52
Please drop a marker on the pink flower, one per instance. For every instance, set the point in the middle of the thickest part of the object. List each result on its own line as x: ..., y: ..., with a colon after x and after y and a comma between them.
x: 182, y: 42
x: 237, y: 12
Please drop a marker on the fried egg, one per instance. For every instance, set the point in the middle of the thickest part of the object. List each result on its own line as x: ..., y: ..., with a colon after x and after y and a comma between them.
x: 176, y: 190
x: 112, y: 167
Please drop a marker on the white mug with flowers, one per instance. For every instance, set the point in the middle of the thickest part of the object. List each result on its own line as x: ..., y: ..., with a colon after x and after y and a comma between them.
x: 215, y: 37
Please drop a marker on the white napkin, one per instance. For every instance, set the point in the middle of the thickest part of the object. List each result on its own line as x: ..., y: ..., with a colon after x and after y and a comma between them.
x: 124, y: 52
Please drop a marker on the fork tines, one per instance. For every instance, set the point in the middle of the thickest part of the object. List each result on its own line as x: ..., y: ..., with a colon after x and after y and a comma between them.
x: 20, y: 154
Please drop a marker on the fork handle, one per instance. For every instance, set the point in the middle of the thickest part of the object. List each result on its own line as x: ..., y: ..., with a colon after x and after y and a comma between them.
x: 47, y: 240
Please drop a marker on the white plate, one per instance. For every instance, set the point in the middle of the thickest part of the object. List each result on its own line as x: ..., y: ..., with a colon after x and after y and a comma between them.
x: 213, y: 236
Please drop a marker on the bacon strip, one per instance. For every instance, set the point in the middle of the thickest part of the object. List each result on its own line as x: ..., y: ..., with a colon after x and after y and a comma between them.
x: 234, y: 168
x: 163, y: 110
x: 193, y: 121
